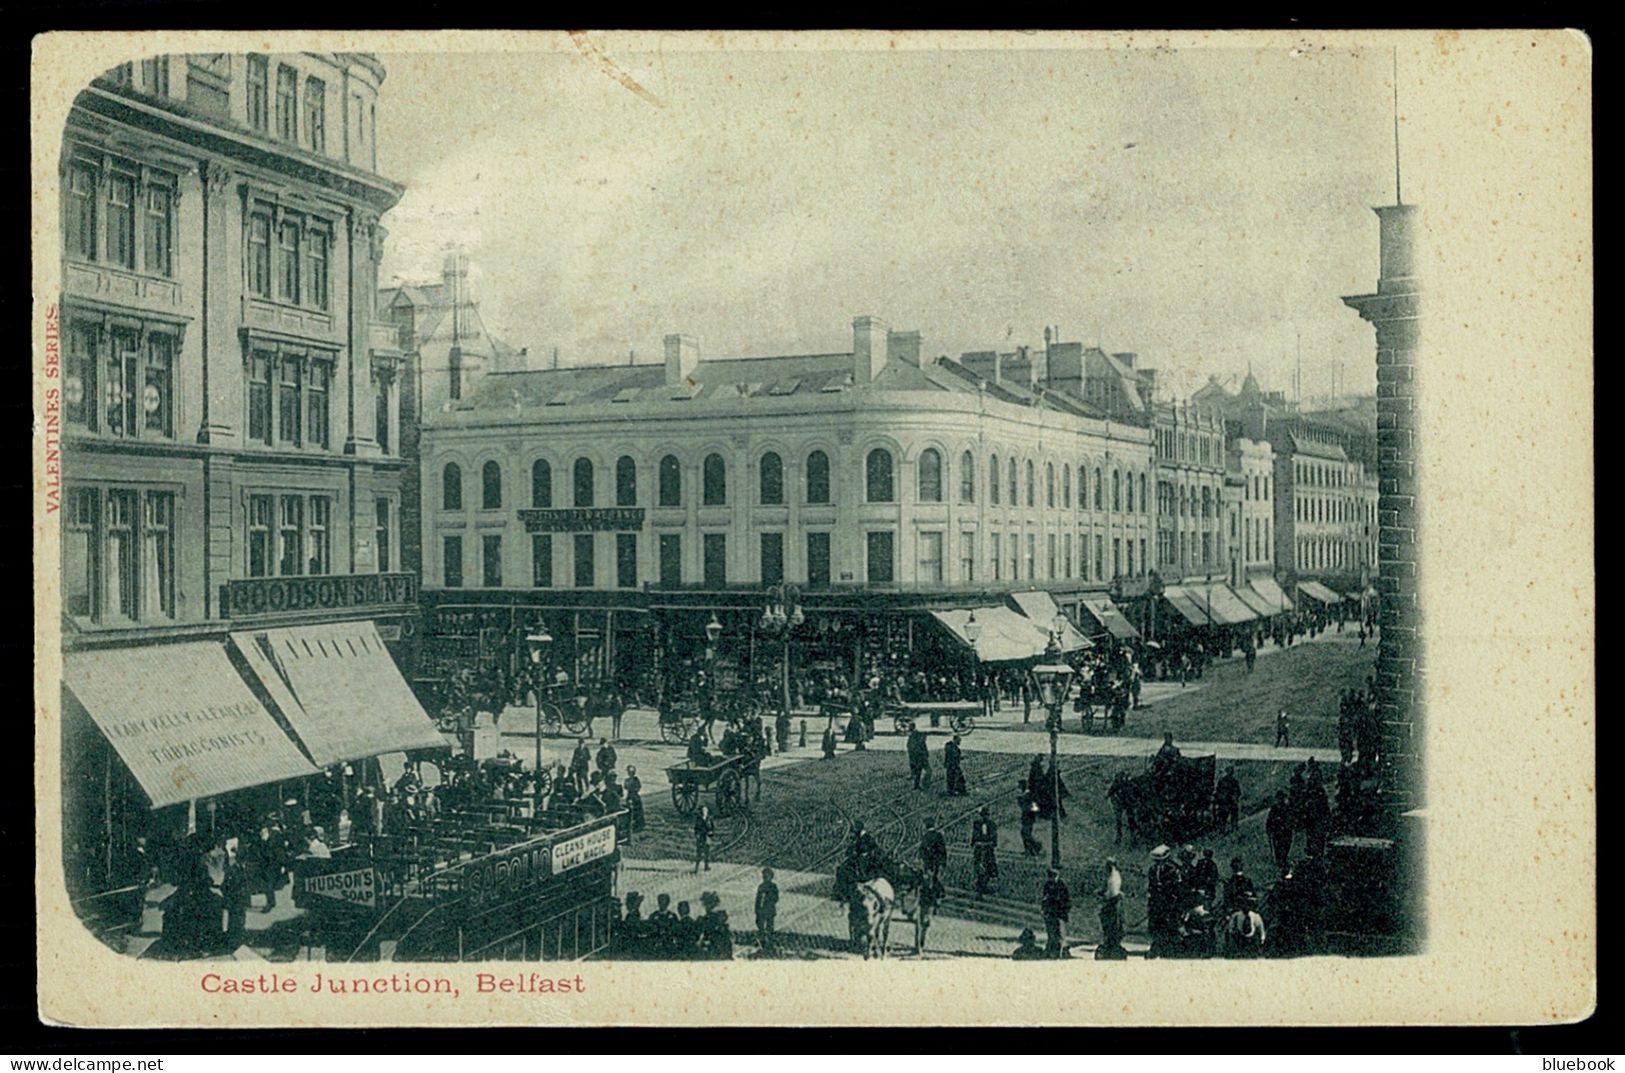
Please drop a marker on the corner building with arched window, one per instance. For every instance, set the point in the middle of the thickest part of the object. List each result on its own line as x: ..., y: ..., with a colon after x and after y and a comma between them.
x: 638, y: 500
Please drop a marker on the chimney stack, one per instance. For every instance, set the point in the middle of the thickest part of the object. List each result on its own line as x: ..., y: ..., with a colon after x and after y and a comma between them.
x: 903, y: 346
x: 682, y: 355
x: 870, y: 341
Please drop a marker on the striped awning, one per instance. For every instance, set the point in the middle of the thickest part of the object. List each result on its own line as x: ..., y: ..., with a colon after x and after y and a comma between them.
x: 1042, y: 610
x: 1315, y: 590
x: 1222, y: 604
x: 1002, y: 635
x: 1188, y: 607
x: 1272, y: 593
x: 1253, y: 599
x: 339, y: 689
x: 182, y: 719
x: 1110, y: 616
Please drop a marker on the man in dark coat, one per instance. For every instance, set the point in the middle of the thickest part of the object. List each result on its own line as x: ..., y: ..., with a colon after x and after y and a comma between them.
x: 1029, y: 813
x: 767, y: 911
x: 933, y: 851
x: 1279, y: 827
x: 953, y: 768
x: 606, y: 756
x: 1057, y: 904
x: 716, y: 938
x: 984, y: 840
x: 698, y: 754
x: 1227, y: 796
x: 580, y: 766
x: 634, y: 798
x: 829, y: 740
x: 1205, y: 876
x: 919, y: 758
x: 685, y: 935
x: 1163, y: 886
x: 704, y: 828
x: 662, y: 929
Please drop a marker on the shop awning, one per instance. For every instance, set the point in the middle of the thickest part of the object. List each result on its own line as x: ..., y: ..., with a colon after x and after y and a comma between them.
x: 1222, y: 604
x: 1187, y: 605
x: 340, y: 690
x: 1041, y: 609
x: 1315, y: 590
x: 1003, y: 636
x: 1272, y: 593
x: 1110, y: 617
x: 1253, y: 599
x: 182, y: 720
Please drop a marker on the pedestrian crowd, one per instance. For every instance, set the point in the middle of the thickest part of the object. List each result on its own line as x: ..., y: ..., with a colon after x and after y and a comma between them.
x: 668, y: 934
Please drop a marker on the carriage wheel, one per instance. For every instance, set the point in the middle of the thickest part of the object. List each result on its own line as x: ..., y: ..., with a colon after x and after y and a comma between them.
x: 686, y: 797
x: 544, y: 783
x: 730, y: 795
x: 575, y: 725
x: 962, y: 724
x: 671, y: 732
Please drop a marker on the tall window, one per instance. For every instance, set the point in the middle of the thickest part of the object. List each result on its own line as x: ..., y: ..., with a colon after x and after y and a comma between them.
x: 1049, y: 485
x: 1145, y: 506
x: 287, y: 116
x: 82, y: 210
x: 157, y: 230
x: 290, y: 536
x: 1049, y: 548
x: 930, y: 472
x: 626, y: 560
x: 121, y: 219
x: 671, y: 560
x: 626, y: 482
x: 287, y: 240
x: 967, y: 556
x: 80, y: 550
x: 157, y: 384
x: 772, y: 549
x: 318, y: 379
x: 123, y: 387
x: 714, y: 481
x: 671, y: 482
x: 818, y: 490
x: 967, y: 478
x: 383, y: 535
x: 316, y: 115
x: 1117, y: 557
x: 1117, y: 490
x: 491, y: 561
x: 818, y: 558
x: 878, y: 476
x: 584, y: 560
x: 318, y: 535
x: 451, y: 564
x: 1013, y: 543
x: 380, y: 415
x: 880, y: 558
x: 259, y: 113
x: 1066, y: 486
x: 714, y: 547
x: 771, y: 479
x: 1032, y: 556
x: 931, y: 558
x: 491, y: 486
x: 158, y: 554
x: 1032, y: 498
x: 259, y: 535
x: 259, y: 254
x: 451, y: 487
x: 317, y: 255
x: 541, y: 483
x: 1130, y: 550
x: 1083, y: 556
x: 1066, y: 552
x: 995, y: 551
x: 121, y: 553
x: 1100, y: 500
x: 259, y: 396
x: 289, y: 387
x: 1130, y: 493
x: 1100, y: 555
x: 541, y: 560
x: 583, y: 482
x: 993, y: 483
x: 1010, y: 483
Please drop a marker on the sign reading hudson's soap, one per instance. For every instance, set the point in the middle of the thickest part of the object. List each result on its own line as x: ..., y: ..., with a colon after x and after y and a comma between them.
x: 357, y: 887
x: 582, y: 520
x: 575, y: 852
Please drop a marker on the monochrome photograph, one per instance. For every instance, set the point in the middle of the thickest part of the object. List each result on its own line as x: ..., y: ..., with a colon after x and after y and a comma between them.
x: 514, y: 511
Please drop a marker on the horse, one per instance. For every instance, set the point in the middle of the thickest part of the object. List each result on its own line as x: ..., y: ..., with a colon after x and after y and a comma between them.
x: 879, y: 900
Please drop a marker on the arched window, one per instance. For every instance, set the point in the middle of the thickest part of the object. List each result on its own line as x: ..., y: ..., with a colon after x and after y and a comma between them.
x: 1066, y: 485
x: 771, y: 479
x: 878, y: 476
x: 1010, y: 483
x: 491, y: 486
x: 993, y: 480
x: 1130, y: 483
x: 541, y: 483
x: 818, y: 490
x: 451, y: 487
x: 626, y: 482
x: 967, y: 478
x: 583, y: 482
x: 671, y: 481
x: 930, y: 471
x: 1145, y: 507
x: 1100, y: 500
x: 714, y: 481
x: 1049, y: 485
x: 1117, y: 490
x: 1083, y: 486
x: 1032, y: 485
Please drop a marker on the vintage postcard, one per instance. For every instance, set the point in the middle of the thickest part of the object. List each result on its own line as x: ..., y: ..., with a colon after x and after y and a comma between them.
x: 820, y: 529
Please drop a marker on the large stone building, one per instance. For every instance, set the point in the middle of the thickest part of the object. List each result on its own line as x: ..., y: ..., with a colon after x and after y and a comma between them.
x: 229, y: 416
x: 1250, y: 530
x: 597, y: 500
x: 1191, y: 458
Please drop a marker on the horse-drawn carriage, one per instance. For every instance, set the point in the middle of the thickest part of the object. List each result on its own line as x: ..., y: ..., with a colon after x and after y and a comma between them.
x: 961, y: 715
x: 1104, y: 696
x: 1172, y: 799
x: 679, y: 719
x: 724, y: 777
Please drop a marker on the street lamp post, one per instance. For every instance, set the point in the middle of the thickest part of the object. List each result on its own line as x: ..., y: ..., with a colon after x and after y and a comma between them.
x: 536, y: 642
x: 1053, y: 678
x: 782, y: 616
x: 973, y: 630
x: 713, y: 631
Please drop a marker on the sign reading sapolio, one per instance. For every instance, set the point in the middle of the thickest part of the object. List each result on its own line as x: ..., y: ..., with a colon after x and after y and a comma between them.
x: 575, y: 852
x: 358, y: 887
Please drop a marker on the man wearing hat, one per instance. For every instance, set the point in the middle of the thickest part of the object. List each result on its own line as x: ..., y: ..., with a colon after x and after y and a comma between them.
x: 953, y: 768
x: 984, y: 839
x: 1162, y: 889
x: 767, y: 910
x: 1057, y: 903
x: 1111, y: 915
x: 716, y: 938
x: 934, y: 851
x: 1029, y: 949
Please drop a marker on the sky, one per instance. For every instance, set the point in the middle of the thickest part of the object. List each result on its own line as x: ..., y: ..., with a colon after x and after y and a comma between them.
x: 1205, y: 209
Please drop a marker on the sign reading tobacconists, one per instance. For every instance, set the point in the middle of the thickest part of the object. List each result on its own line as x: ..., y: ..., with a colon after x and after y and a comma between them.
x: 582, y: 520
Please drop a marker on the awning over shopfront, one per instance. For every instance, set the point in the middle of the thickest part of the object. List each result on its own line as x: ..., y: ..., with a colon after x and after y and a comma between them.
x: 182, y: 720
x: 1107, y: 614
x: 339, y: 688
x: 1041, y: 609
x: 1003, y: 635
x: 1222, y: 604
x: 1272, y: 594
x: 1315, y: 590
x: 1193, y: 610
x: 1253, y: 599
